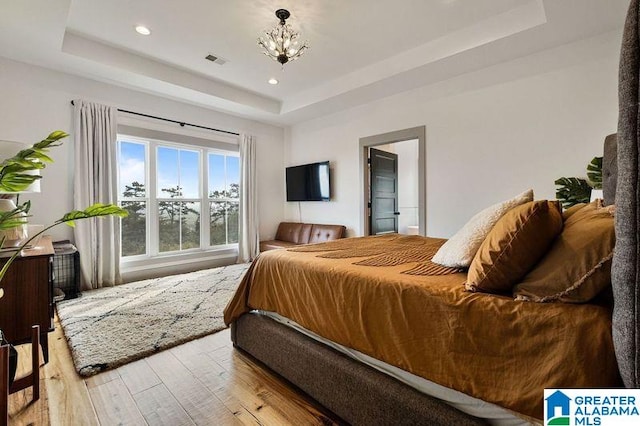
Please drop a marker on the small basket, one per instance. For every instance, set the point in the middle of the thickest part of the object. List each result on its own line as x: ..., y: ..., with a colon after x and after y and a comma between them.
x: 66, y: 271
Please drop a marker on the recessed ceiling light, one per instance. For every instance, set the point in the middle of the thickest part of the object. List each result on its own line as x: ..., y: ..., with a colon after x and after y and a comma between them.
x: 273, y: 81
x: 141, y: 29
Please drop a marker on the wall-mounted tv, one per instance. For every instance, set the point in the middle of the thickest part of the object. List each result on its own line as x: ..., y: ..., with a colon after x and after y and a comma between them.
x: 309, y: 182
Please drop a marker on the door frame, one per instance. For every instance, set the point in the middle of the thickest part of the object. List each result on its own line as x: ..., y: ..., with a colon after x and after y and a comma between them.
x: 418, y: 133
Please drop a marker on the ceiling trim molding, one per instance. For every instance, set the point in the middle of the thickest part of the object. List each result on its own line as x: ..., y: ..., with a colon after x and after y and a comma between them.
x: 83, y: 47
x: 525, y: 17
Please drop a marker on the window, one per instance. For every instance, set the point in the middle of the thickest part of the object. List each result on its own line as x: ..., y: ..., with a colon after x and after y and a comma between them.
x: 168, y: 189
x: 133, y: 197
x: 224, y: 198
x: 179, y: 198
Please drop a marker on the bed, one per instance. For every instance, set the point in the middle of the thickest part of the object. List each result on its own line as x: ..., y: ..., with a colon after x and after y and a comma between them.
x: 372, y: 364
x: 382, y: 297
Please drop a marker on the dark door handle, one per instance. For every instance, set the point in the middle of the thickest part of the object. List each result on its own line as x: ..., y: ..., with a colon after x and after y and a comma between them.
x: 396, y: 213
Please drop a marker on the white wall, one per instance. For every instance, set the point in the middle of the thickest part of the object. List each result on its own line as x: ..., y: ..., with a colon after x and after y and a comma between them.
x: 35, y: 101
x: 490, y: 134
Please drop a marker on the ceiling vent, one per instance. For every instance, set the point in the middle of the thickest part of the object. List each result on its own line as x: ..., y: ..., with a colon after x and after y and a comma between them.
x: 216, y: 59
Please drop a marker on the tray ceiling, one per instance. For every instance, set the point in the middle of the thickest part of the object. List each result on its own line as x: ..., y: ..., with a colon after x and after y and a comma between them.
x: 360, y: 50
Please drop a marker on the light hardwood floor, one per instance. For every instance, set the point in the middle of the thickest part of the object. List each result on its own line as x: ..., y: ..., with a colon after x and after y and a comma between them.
x: 204, y: 382
x: 22, y: 410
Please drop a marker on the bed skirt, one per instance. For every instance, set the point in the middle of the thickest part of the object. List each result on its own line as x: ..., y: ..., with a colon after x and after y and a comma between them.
x: 355, y: 392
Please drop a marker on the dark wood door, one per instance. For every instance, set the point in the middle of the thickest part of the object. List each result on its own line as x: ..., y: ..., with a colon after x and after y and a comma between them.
x: 384, y: 192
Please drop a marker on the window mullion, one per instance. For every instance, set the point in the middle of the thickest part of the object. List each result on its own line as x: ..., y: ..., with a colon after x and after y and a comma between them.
x: 179, y: 203
x: 154, y: 224
x: 147, y: 199
x: 205, y: 207
x: 226, y: 205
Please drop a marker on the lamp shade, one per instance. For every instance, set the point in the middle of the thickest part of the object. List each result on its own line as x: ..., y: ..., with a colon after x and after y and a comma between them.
x: 7, y: 150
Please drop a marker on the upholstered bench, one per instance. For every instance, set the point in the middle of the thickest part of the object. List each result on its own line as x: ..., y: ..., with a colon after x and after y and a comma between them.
x: 292, y: 234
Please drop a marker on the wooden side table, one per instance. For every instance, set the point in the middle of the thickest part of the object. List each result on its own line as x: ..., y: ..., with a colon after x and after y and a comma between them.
x: 28, y: 296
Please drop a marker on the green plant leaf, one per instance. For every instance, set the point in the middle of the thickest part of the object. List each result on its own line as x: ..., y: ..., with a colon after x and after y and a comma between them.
x: 15, y: 217
x: 594, y: 173
x: 14, y: 176
x: 572, y: 191
x: 18, y: 182
x: 96, y: 210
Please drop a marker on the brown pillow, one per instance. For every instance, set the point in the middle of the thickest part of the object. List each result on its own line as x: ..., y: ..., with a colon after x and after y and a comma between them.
x: 578, y: 266
x: 514, y: 245
x: 572, y: 210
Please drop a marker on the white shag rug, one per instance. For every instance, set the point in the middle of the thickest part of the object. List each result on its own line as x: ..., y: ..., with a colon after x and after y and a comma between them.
x: 113, y: 326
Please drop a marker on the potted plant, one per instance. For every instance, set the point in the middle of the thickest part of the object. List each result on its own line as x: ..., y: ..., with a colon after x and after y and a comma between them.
x: 594, y: 177
x: 16, y: 174
x: 575, y: 190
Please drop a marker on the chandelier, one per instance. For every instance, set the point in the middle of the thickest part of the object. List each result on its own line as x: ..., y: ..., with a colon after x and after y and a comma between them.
x: 281, y: 43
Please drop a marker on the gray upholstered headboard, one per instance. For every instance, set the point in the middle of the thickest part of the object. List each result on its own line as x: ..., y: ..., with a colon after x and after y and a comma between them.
x: 625, y: 270
x: 610, y: 169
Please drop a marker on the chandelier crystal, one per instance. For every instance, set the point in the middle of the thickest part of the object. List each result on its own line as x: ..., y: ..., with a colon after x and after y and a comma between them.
x: 281, y: 43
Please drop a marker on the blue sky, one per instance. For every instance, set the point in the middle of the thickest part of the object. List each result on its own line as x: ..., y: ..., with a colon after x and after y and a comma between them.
x: 176, y: 167
x: 216, y: 171
x: 132, y: 168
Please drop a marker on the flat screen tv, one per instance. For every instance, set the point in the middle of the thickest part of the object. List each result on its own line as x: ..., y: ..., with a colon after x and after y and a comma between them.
x: 309, y: 182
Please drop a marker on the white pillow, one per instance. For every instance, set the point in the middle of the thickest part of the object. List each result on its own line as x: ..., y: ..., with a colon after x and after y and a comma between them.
x: 459, y: 251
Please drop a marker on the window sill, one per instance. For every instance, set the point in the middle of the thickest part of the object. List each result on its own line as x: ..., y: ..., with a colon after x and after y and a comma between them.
x: 143, y: 263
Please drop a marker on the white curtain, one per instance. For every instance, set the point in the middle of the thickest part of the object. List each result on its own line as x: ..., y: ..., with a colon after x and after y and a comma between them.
x: 98, y: 240
x: 249, y: 239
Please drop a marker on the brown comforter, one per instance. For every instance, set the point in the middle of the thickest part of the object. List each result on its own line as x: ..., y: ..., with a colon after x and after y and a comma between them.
x: 382, y: 296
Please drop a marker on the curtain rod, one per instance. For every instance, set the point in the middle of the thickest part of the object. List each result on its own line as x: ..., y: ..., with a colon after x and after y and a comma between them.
x: 181, y: 123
